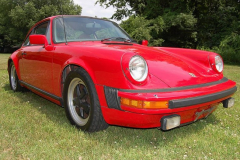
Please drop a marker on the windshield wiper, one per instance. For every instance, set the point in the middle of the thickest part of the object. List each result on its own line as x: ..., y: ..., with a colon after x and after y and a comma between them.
x: 116, y: 39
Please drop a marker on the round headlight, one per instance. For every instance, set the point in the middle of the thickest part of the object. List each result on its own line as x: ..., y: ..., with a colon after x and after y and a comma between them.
x: 218, y: 63
x: 138, y: 68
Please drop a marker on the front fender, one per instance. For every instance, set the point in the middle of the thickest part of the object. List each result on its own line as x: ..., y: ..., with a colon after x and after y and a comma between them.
x: 193, y: 55
x: 198, y: 59
x: 78, y: 62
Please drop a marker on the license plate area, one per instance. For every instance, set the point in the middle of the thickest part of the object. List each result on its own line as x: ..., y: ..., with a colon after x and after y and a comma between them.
x: 204, y: 113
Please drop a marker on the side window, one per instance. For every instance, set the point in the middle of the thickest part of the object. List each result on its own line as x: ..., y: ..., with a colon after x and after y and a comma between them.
x: 43, y: 29
x: 40, y: 29
x: 27, y: 42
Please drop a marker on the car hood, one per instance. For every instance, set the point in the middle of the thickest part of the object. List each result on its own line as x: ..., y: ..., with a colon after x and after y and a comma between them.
x: 174, y: 67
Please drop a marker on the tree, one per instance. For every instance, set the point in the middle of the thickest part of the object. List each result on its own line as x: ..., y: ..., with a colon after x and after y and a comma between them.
x: 178, y: 26
x: 180, y: 30
x: 141, y: 28
x: 229, y: 47
x: 216, y: 19
x: 17, y: 16
x: 149, y: 8
x: 187, y: 23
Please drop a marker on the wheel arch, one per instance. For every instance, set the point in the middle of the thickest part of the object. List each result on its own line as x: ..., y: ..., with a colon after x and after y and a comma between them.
x: 16, y: 64
x: 70, y: 73
x: 72, y: 66
x: 9, y: 62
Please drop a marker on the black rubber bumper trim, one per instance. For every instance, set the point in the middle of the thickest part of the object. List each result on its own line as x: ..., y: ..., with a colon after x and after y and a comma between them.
x: 43, y: 92
x: 224, y: 79
x: 201, y: 99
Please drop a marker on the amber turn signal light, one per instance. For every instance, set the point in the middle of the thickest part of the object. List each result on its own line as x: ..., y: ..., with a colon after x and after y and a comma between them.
x: 144, y: 104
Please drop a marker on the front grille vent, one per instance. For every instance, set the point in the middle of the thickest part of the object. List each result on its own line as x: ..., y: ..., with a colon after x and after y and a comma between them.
x: 113, y: 101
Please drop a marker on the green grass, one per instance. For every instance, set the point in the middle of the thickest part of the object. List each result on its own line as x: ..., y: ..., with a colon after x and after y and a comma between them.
x: 34, y: 128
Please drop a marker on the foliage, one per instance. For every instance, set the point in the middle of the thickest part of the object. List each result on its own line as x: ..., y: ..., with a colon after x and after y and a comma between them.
x: 176, y: 29
x: 17, y: 16
x: 148, y: 8
x: 140, y: 28
x: 230, y: 49
x: 216, y: 20
x: 191, y: 24
x: 180, y: 30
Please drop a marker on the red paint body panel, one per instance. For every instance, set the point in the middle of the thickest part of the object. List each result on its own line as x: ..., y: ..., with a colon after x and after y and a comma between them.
x: 107, y: 64
x: 37, y: 67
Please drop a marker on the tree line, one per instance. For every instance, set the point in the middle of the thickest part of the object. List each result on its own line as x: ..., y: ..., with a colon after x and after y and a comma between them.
x: 18, y: 16
x: 203, y: 24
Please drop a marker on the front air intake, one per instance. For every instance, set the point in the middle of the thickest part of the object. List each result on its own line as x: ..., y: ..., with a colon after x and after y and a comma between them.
x: 113, y: 101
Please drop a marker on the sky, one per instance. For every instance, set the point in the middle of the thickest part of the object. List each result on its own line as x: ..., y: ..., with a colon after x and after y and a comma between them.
x: 90, y: 9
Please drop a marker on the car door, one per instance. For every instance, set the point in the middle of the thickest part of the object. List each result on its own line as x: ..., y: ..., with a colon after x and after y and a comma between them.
x: 36, y: 63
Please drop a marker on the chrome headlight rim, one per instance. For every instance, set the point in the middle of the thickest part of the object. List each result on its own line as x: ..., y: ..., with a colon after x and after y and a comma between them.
x: 138, y: 68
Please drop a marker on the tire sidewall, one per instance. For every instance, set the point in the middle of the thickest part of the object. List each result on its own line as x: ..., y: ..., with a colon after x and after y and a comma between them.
x: 18, y: 87
x: 89, y: 84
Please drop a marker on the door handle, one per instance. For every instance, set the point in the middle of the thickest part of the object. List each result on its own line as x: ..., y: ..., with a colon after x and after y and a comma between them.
x: 24, y: 53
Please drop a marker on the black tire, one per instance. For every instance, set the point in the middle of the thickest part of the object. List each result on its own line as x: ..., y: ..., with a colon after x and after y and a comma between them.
x: 13, y: 79
x: 81, y: 102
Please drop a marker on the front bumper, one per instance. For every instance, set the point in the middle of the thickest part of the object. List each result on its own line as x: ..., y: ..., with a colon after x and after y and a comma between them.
x: 201, y: 99
x: 184, y: 101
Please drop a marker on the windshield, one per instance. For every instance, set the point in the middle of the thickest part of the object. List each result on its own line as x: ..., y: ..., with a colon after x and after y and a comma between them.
x: 86, y: 29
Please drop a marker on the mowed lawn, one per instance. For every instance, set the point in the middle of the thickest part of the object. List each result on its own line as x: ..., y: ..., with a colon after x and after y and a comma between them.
x: 34, y: 128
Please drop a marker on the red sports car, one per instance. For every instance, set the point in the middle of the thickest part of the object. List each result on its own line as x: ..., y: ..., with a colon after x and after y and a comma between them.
x: 101, y: 76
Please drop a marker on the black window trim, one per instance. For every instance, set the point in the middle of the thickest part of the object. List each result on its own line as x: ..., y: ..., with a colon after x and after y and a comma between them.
x: 114, y: 23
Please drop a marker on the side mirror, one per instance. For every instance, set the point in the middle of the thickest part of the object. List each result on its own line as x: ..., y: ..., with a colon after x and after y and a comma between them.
x: 145, y: 42
x: 39, y: 39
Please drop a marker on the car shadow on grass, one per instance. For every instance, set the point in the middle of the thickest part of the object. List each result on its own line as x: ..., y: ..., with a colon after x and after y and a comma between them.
x: 153, y: 137
x: 114, y: 135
